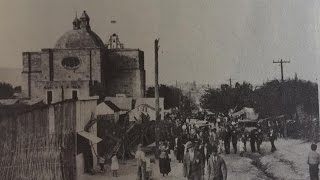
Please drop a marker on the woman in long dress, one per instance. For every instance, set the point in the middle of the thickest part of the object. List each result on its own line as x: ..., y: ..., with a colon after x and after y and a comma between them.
x: 164, y: 160
x: 180, y: 149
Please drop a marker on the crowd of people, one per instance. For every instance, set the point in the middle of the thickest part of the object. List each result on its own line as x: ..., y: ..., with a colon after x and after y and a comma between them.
x: 224, y: 133
x: 217, y: 137
x: 198, y: 146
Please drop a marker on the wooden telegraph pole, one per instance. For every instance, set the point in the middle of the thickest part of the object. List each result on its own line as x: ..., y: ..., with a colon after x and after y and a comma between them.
x: 281, y: 65
x: 156, y: 93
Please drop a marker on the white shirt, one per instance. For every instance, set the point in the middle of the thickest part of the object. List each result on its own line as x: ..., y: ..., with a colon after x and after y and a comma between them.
x: 191, y: 153
x: 140, y: 155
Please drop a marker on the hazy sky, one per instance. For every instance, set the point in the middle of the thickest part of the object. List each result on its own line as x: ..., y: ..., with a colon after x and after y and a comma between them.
x: 206, y: 40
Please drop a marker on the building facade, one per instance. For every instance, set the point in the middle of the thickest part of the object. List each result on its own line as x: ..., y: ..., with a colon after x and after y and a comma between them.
x: 81, y: 65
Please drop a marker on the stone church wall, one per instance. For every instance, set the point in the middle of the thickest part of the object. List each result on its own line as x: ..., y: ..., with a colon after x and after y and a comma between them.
x: 44, y: 71
x: 125, y: 72
x: 31, y: 72
x: 89, y: 58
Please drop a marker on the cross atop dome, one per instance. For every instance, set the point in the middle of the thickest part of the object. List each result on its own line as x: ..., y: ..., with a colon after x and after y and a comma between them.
x: 85, y: 21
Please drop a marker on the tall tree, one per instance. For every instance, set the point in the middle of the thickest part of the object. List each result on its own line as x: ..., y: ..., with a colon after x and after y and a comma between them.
x: 171, y: 95
x: 224, y: 98
x: 271, y: 99
x: 6, y: 90
x: 275, y: 98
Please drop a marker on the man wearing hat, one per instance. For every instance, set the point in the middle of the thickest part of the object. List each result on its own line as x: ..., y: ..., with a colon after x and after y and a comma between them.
x: 141, y: 163
x: 192, y: 164
x: 217, y: 169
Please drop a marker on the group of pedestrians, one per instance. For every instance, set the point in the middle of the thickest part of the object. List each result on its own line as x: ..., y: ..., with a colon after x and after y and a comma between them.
x: 224, y: 136
x: 194, y: 164
x: 198, y: 148
x: 209, y: 141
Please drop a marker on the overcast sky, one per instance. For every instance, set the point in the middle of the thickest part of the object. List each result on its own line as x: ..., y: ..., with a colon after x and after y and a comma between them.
x: 206, y: 40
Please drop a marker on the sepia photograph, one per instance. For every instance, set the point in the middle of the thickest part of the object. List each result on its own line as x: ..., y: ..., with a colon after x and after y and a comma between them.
x: 159, y: 90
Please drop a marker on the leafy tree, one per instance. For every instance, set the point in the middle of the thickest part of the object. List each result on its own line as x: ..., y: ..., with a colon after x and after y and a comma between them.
x: 6, y: 90
x: 276, y: 98
x: 17, y: 89
x: 224, y: 98
x: 271, y: 99
x: 174, y: 98
x: 171, y: 95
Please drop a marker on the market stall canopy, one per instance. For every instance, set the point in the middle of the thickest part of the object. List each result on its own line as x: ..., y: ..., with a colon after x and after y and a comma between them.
x: 248, y: 112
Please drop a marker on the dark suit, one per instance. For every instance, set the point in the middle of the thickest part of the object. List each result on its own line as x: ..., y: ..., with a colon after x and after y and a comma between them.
x: 272, y: 138
x: 217, y: 169
x: 192, y: 169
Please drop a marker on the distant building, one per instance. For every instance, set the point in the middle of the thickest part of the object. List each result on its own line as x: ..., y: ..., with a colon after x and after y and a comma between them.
x: 81, y: 65
x: 108, y: 110
x: 135, y: 106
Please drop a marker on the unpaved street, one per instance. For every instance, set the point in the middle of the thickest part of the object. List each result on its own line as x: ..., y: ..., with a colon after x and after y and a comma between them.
x: 239, y: 168
x: 287, y: 163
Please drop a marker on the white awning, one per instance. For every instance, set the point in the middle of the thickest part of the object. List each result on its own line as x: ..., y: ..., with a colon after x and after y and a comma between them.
x: 94, y: 139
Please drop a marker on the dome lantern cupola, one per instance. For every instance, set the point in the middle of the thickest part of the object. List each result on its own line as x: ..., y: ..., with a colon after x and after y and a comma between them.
x: 76, y: 23
x: 81, y: 36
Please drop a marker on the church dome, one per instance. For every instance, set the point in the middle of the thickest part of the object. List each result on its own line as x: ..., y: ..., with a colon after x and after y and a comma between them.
x: 81, y: 36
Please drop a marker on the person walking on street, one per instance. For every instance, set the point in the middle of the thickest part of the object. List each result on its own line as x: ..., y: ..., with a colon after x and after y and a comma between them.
x: 180, y: 148
x: 164, y: 160
x: 217, y: 168
x: 234, y: 139
x: 192, y: 164
x: 141, y: 158
x: 244, y: 138
x: 227, y: 137
x: 259, y: 139
x: 253, y: 140
x: 313, y: 161
x: 272, y: 138
x: 213, y: 138
x: 241, y: 147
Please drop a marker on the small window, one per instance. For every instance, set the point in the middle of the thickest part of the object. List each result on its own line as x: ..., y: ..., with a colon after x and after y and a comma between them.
x: 75, y: 95
x: 49, y: 97
x: 71, y: 62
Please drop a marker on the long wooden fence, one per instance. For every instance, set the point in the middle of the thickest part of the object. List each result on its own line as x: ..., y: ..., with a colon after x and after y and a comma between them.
x: 28, y: 151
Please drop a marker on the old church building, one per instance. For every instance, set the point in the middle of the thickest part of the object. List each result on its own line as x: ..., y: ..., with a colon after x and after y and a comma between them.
x: 81, y: 65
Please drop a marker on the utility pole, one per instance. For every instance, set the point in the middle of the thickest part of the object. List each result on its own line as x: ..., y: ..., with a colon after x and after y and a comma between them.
x: 230, y: 81
x: 281, y: 64
x: 282, y: 97
x: 156, y: 92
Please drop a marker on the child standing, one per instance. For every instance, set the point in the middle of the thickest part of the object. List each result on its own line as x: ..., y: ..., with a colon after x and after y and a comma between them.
x: 114, y: 165
x: 241, y: 147
x: 101, y: 163
x: 313, y: 161
x: 149, y: 168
